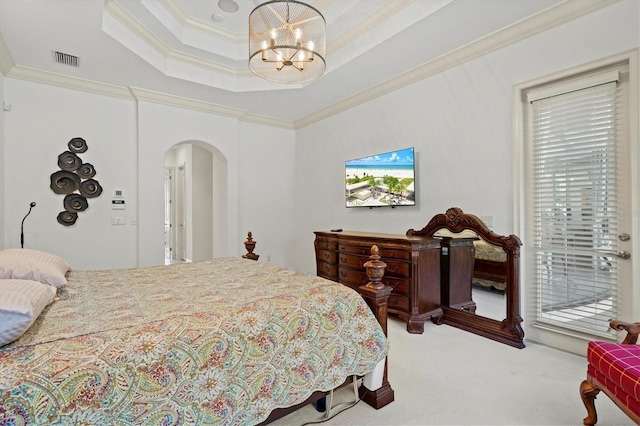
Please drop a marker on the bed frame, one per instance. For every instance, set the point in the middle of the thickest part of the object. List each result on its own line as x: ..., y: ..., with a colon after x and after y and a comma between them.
x: 376, y: 294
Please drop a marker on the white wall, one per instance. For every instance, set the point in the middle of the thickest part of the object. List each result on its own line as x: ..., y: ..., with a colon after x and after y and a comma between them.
x: 202, y: 203
x: 235, y: 156
x: 127, y: 142
x: 267, y: 192
x: 459, y: 121
x: 37, y: 129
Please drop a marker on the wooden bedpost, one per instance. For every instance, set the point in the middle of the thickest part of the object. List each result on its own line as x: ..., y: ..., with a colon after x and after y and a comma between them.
x: 250, y: 245
x: 376, y: 294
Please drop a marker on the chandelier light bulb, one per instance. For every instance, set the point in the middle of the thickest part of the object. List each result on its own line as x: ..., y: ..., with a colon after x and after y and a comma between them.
x: 287, y: 41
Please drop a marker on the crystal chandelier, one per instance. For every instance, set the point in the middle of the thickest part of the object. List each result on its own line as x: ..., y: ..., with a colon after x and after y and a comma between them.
x: 287, y: 42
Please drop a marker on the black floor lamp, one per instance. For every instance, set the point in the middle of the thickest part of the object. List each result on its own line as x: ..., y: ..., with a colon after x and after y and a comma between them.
x: 32, y: 205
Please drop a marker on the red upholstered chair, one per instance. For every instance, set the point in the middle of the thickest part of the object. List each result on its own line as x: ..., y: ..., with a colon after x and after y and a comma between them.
x: 614, y: 368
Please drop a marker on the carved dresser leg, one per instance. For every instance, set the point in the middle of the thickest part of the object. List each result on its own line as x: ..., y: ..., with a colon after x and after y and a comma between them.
x: 588, y: 394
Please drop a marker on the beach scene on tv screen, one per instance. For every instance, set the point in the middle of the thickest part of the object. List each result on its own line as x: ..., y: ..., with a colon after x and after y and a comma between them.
x: 381, y: 180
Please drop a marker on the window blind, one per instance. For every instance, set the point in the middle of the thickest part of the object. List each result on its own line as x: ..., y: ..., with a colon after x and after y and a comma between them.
x: 574, y: 206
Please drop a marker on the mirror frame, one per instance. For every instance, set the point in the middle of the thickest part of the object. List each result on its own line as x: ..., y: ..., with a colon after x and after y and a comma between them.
x: 508, y: 331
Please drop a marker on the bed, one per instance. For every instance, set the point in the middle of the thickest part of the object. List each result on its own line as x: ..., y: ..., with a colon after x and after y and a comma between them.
x: 221, y: 341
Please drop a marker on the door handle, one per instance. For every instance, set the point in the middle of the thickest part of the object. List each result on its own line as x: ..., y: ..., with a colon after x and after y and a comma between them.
x: 621, y: 254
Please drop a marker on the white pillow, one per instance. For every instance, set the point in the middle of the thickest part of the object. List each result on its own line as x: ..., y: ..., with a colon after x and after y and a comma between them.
x: 28, y: 264
x: 21, y: 301
x: 465, y: 233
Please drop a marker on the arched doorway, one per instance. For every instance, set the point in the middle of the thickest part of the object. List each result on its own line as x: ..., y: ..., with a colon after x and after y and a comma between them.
x: 195, y: 202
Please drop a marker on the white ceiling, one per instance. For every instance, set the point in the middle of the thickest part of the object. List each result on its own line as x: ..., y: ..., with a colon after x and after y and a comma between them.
x: 174, y: 47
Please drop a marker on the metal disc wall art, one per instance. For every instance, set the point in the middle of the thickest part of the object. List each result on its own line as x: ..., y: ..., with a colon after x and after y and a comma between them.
x: 67, y: 218
x: 64, y: 182
x: 77, y: 145
x: 86, y: 171
x: 90, y: 188
x: 75, y: 203
x: 69, y: 162
x: 74, y: 175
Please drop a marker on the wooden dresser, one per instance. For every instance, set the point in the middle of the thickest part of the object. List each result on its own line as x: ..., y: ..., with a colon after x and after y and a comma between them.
x: 413, y: 270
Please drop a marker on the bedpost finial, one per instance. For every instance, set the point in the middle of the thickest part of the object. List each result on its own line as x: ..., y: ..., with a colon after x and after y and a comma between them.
x: 375, y: 269
x: 250, y: 245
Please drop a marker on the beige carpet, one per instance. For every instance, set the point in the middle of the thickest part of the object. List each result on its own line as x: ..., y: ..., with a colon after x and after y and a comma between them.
x: 447, y: 376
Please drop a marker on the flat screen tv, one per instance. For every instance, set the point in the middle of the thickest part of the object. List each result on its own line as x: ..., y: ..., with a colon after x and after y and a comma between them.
x: 381, y: 180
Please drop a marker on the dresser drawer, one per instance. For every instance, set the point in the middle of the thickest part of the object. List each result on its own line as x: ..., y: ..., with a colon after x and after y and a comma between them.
x: 326, y: 245
x: 396, y: 269
x: 328, y: 271
x: 354, y: 249
x: 399, y: 302
x: 327, y: 256
x: 352, y: 277
x: 399, y: 285
x: 384, y: 253
x: 352, y: 261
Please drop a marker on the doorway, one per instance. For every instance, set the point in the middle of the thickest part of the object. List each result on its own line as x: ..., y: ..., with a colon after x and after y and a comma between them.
x: 169, y: 195
x: 181, y: 214
x: 577, y: 196
x: 195, y: 199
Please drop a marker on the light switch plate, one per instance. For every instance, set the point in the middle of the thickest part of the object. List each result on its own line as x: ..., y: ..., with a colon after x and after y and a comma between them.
x: 118, y: 220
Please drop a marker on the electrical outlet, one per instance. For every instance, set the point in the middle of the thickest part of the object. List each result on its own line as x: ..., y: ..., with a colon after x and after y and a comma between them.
x: 488, y: 220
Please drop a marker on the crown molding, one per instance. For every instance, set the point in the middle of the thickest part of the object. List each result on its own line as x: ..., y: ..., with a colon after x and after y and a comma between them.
x: 67, y: 82
x: 138, y: 94
x: 197, y: 25
x: 117, y: 22
x: 554, y: 16
x: 267, y: 121
x: 121, y: 15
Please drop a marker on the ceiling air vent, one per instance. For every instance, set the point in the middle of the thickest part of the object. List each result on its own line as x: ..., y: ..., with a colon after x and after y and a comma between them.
x: 66, y: 59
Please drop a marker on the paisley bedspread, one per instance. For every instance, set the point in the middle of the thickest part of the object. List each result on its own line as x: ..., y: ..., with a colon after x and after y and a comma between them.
x: 222, y: 341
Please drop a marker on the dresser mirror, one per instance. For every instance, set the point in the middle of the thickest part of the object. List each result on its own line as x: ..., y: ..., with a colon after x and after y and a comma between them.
x: 480, y: 276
